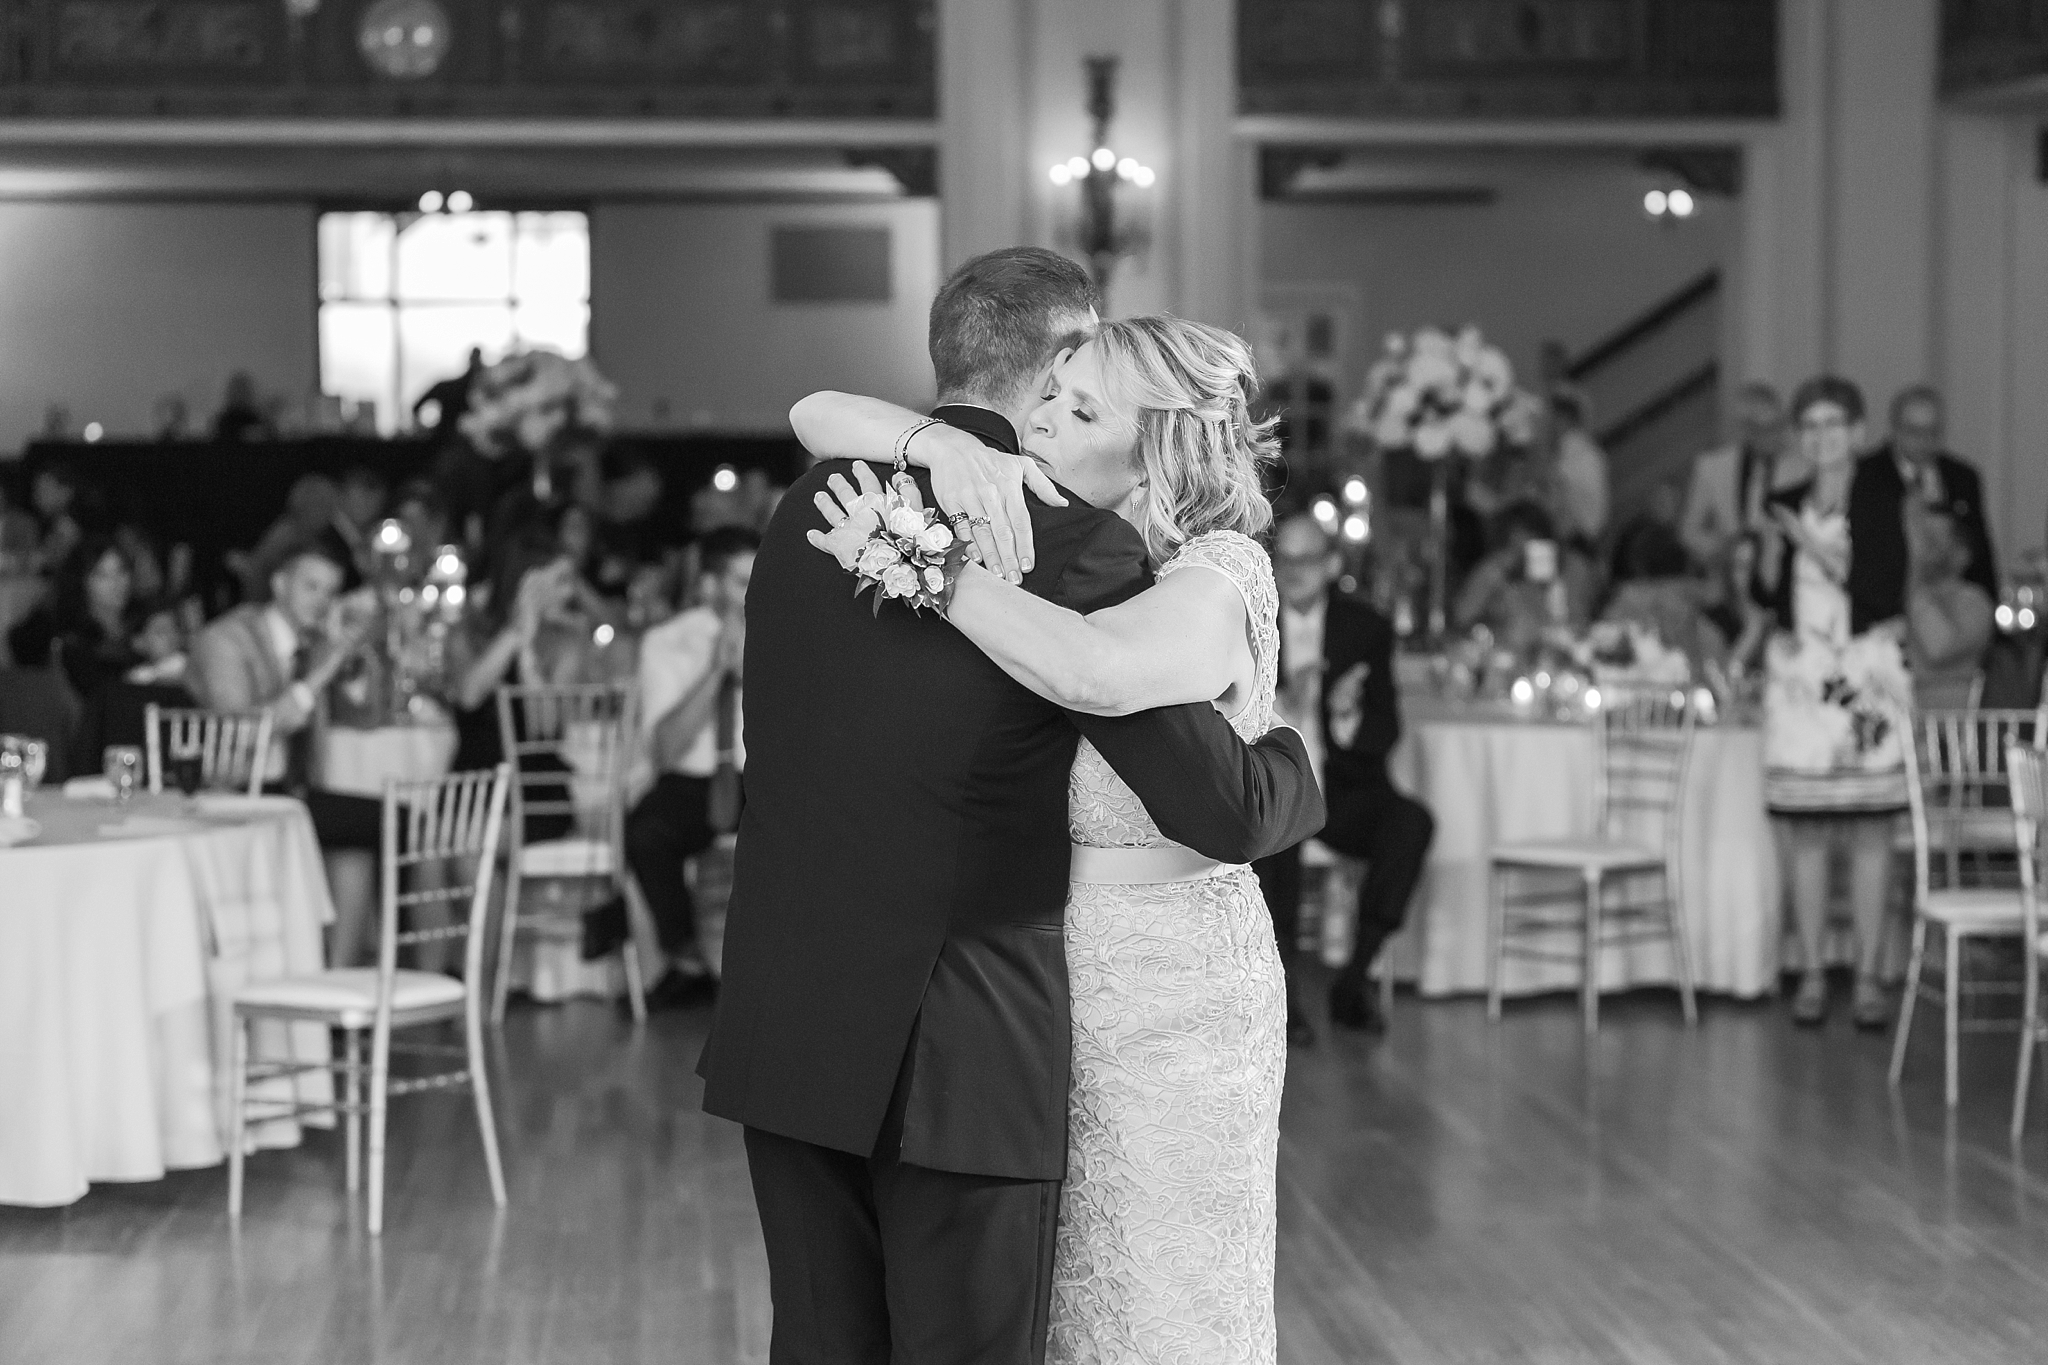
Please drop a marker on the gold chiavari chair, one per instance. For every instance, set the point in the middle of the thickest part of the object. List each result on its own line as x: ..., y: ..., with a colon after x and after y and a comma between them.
x: 440, y: 849
x: 2028, y: 771
x: 1645, y: 747
x: 232, y: 747
x: 571, y: 747
x: 1958, y: 793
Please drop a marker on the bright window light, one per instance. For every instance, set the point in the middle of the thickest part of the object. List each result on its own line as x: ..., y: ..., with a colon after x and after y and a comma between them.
x: 402, y: 300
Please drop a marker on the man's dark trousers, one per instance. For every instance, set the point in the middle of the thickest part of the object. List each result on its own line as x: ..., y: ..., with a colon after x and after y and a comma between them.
x: 879, y: 1262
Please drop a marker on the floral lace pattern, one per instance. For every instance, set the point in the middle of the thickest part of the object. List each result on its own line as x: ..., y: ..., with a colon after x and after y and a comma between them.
x: 1165, y: 1250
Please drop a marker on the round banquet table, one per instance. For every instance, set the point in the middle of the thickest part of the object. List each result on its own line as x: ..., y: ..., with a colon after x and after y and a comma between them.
x: 1490, y: 779
x: 360, y: 761
x: 123, y: 931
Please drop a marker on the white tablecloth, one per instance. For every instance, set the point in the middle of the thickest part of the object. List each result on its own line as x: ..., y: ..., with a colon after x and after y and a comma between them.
x: 359, y: 762
x: 1494, y: 781
x: 122, y: 930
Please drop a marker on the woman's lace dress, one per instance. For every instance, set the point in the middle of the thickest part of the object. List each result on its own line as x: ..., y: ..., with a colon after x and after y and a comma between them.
x: 1165, y: 1250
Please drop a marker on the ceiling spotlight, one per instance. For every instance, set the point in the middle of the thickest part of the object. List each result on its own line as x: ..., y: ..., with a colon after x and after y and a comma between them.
x: 725, y: 478
x: 93, y: 431
x: 1655, y: 203
x: 1061, y: 175
x: 460, y: 202
x: 1103, y: 158
x: 1126, y: 168
x: 1077, y: 166
x: 1143, y: 177
x: 431, y: 202
x: 1680, y: 203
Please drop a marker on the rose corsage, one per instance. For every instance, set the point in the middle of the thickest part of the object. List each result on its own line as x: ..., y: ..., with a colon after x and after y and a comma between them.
x: 911, y: 554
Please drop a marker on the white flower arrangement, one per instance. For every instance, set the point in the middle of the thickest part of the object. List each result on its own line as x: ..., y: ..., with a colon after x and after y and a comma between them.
x: 910, y: 554
x: 528, y: 400
x: 1627, y: 654
x: 1436, y: 394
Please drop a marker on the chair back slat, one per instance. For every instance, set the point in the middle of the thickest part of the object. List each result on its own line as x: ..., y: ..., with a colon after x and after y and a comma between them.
x: 571, y: 748
x: 1646, y: 740
x: 2027, y: 768
x: 440, y: 845
x: 1959, y: 785
x: 232, y: 747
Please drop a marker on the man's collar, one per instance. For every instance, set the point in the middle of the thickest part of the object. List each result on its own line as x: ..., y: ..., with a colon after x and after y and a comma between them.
x: 991, y: 426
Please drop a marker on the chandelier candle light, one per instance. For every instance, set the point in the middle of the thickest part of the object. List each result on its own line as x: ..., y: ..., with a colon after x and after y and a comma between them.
x: 1103, y: 239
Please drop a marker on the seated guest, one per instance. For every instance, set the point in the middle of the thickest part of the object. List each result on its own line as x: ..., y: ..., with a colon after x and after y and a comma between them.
x: 1501, y: 594
x: 690, y: 705
x: 35, y: 701
x: 1658, y: 592
x: 275, y: 657
x: 309, y: 508
x: 96, y: 616
x: 1948, y: 617
x: 19, y: 535
x: 241, y: 416
x: 62, y: 507
x: 115, y: 715
x: 1911, y: 464
x: 1738, y: 607
x: 1337, y: 680
x: 1578, y: 492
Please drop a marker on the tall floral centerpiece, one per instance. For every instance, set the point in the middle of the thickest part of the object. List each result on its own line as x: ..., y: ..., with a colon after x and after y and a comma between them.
x: 1437, y: 395
x: 541, y: 404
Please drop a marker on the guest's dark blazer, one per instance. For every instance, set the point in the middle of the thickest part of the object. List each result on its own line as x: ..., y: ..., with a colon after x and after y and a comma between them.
x: 901, y: 877
x: 1355, y: 633
x: 1877, y: 534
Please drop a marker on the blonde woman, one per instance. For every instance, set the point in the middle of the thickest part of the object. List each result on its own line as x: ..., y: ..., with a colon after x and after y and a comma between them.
x: 1165, y: 1240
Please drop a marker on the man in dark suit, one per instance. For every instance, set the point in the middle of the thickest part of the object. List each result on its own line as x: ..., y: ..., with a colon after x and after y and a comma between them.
x: 1911, y: 462
x: 893, y: 1024
x: 1337, y: 682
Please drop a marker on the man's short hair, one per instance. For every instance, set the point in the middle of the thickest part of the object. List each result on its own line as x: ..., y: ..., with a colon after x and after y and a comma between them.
x: 1915, y: 393
x: 719, y: 547
x: 1001, y: 316
x: 318, y: 549
x: 1829, y: 388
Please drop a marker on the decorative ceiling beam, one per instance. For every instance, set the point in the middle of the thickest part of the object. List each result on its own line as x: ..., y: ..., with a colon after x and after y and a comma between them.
x: 424, y: 132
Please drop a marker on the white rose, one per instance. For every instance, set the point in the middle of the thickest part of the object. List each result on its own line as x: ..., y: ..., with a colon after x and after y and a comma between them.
x: 1432, y: 440
x: 1431, y: 343
x: 905, y: 522
x: 1469, y: 346
x: 1471, y: 433
x: 1433, y: 370
x: 1390, y: 432
x: 878, y: 558
x: 899, y: 581
x: 1403, y: 401
x: 1396, y: 344
x: 935, y: 539
x: 1476, y: 398
x: 935, y: 579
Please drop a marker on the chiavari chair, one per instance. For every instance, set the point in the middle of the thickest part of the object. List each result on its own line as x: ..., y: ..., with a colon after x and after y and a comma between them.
x: 571, y: 747
x: 2028, y: 771
x: 1958, y: 793
x: 440, y: 845
x: 232, y: 747
x: 1646, y: 744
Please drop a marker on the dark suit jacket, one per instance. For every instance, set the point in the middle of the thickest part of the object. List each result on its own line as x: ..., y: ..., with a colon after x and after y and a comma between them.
x: 1355, y: 633
x: 1877, y: 534
x: 901, y: 877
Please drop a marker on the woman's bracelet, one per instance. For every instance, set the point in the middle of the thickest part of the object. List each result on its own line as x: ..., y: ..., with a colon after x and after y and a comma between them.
x: 903, y: 442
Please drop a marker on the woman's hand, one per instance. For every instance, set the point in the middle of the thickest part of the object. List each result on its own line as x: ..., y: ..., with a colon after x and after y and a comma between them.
x: 853, y: 516
x: 980, y: 490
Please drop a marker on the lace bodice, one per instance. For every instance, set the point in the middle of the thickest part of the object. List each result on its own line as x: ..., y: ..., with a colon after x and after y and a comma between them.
x: 1101, y: 810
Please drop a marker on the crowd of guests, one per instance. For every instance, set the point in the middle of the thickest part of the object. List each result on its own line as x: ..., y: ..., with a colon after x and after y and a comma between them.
x: 1707, y: 565
x: 570, y: 581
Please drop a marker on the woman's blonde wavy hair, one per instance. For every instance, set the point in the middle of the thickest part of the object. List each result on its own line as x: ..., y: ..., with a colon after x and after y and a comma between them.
x: 1189, y: 386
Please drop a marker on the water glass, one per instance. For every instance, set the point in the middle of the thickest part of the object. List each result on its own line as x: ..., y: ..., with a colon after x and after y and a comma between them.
x: 122, y: 764
x: 183, y: 764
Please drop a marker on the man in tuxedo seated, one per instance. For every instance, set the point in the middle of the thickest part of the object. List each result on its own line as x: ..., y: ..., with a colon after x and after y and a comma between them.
x: 1913, y: 463
x: 274, y: 657
x: 1337, y: 687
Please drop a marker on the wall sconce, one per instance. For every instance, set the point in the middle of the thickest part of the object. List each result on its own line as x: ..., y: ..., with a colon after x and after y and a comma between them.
x: 1102, y: 238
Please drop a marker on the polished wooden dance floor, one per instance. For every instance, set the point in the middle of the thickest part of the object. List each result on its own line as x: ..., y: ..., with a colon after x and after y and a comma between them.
x: 1455, y: 1193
